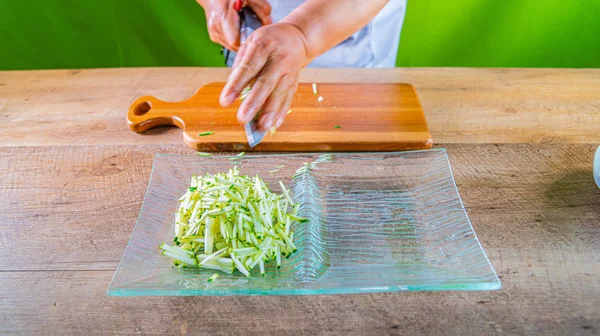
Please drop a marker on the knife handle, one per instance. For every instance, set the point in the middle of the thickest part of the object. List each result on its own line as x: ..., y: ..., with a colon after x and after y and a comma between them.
x: 238, y: 5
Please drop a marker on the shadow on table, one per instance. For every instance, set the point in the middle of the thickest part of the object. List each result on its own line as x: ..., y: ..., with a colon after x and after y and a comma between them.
x: 571, y: 205
x: 163, y: 129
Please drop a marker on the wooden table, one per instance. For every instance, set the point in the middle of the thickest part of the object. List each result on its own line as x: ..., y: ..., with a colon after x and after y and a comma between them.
x: 72, y: 180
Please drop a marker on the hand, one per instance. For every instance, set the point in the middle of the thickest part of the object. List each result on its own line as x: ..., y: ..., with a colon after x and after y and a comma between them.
x: 224, y: 23
x: 272, y: 58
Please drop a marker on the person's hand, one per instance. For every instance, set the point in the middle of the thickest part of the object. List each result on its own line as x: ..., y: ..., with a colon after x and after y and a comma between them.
x: 224, y: 23
x: 271, y: 58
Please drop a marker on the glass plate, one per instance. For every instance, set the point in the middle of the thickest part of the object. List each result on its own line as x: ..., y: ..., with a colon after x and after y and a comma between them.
x: 379, y: 222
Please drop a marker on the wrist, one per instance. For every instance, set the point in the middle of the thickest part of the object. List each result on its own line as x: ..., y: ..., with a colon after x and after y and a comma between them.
x: 309, y: 54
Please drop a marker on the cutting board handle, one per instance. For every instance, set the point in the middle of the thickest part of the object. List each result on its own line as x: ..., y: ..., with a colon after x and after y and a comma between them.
x: 148, y: 112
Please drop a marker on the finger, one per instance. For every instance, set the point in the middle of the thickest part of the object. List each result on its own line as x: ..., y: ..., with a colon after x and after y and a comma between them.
x: 239, y: 55
x: 215, y: 32
x: 231, y: 29
x: 221, y: 40
x: 247, y: 68
x: 262, y: 9
x: 213, y: 26
x: 283, y: 112
x: 262, y: 88
x: 273, y: 104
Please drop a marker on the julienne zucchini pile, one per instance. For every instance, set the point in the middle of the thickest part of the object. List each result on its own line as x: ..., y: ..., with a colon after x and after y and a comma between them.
x: 228, y: 221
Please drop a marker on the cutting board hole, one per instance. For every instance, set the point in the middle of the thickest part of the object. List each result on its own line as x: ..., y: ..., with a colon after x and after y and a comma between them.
x: 142, y: 108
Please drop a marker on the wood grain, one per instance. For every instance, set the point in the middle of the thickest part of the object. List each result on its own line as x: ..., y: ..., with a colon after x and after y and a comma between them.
x: 73, y: 176
x: 68, y: 211
x: 368, y: 117
x: 48, y: 108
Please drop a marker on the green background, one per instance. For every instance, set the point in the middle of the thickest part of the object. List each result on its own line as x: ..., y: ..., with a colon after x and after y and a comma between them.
x: 50, y: 34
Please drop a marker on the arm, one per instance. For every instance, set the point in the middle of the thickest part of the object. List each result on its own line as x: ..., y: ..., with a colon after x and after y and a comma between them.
x: 273, y: 56
x: 326, y: 23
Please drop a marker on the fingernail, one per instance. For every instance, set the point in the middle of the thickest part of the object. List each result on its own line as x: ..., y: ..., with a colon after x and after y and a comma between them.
x: 228, y: 98
x: 279, y: 122
x: 244, y: 116
x: 222, y: 96
x: 268, y: 121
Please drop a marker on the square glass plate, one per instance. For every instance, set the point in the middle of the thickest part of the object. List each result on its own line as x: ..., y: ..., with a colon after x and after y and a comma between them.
x: 379, y: 222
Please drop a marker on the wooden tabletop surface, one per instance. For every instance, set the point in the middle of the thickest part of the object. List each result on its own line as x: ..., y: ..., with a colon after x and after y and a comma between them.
x: 73, y: 177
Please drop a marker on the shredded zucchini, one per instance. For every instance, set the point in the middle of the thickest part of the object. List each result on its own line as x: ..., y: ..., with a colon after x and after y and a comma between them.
x: 245, y: 92
x: 229, y: 221
x: 277, y: 168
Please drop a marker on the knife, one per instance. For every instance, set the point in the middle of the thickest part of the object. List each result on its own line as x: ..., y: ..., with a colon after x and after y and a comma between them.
x: 249, y: 22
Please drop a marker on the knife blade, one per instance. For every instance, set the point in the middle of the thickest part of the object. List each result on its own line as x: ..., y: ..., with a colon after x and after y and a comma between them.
x: 249, y: 22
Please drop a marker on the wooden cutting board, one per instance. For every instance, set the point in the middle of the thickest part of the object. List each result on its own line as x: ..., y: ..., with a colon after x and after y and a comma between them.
x: 370, y: 116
